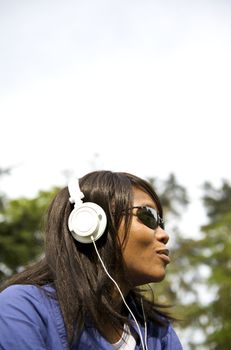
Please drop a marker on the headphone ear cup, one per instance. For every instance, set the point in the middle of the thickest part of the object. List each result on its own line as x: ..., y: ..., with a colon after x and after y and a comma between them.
x: 86, y: 222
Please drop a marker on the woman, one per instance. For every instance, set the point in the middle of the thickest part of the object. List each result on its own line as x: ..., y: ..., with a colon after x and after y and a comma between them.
x: 101, y: 243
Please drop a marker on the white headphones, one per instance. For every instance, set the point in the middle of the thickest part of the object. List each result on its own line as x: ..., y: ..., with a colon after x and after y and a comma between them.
x: 87, y: 221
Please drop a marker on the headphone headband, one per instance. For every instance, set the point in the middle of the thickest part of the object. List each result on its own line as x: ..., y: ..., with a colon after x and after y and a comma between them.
x: 87, y: 221
x: 76, y: 195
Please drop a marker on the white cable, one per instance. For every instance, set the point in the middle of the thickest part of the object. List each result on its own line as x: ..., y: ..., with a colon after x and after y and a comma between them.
x: 121, y: 294
x: 145, y: 325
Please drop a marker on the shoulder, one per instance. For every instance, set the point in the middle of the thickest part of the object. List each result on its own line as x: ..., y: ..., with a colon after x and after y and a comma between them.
x: 172, y: 339
x: 22, y: 296
x: 167, y: 336
x: 30, y: 298
x: 20, y: 290
x: 25, y: 302
x: 32, y: 314
x: 160, y: 336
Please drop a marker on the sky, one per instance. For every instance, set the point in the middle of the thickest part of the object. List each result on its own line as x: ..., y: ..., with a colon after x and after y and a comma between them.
x: 141, y: 86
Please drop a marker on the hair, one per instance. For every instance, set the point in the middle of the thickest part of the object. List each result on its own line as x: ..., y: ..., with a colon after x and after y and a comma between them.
x: 81, y: 286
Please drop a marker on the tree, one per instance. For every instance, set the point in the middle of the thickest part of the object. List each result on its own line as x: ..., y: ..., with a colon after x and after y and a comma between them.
x: 21, y: 238
x: 204, y: 284
x: 215, y: 247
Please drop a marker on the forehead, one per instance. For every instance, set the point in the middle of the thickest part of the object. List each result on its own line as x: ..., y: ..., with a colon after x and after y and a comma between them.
x: 142, y: 198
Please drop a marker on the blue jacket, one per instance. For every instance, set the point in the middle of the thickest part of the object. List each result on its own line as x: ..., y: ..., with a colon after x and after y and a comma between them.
x: 30, y: 320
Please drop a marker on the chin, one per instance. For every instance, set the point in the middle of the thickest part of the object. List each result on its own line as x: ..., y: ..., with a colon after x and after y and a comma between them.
x: 157, y: 278
x: 150, y: 279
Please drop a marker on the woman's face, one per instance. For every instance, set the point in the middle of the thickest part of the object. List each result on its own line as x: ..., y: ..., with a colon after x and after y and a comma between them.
x: 145, y: 253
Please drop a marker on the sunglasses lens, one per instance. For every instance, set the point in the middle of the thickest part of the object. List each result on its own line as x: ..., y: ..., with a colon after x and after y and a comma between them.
x: 149, y: 217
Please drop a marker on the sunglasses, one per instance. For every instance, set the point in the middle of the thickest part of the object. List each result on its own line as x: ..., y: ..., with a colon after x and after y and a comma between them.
x: 149, y: 217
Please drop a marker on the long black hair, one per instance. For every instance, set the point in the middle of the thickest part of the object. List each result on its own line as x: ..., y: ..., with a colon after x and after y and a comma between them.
x: 81, y: 286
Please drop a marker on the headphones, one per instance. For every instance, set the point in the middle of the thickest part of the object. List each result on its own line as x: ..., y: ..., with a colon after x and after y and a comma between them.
x: 87, y: 221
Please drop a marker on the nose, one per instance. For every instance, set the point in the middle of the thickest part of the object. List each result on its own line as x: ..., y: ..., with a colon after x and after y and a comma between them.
x: 161, y: 235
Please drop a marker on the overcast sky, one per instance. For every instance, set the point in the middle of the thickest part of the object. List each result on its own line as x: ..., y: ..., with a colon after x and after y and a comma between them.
x: 129, y: 85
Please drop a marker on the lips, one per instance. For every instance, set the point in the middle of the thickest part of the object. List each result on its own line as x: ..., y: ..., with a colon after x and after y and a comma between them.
x: 164, y: 255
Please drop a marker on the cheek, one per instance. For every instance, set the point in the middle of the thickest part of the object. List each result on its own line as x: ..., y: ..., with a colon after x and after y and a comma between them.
x: 139, y: 245
x: 137, y: 252
x: 141, y: 236
x: 138, y: 248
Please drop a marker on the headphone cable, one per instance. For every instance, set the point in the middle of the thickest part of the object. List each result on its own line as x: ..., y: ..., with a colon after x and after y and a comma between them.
x: 144, y: 346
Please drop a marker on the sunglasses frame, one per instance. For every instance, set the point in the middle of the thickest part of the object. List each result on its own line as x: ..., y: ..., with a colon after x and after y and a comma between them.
x: 155, y: 215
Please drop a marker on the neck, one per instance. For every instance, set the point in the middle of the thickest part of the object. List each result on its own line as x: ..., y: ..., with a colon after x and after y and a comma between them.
x: 110, y: 332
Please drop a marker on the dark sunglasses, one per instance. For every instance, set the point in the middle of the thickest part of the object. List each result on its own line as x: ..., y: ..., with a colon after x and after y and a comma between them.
x: 149, y: 217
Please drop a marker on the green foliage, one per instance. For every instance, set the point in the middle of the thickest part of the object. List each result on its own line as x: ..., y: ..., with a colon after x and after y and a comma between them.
x: 173, y: 196
x: 216, y: 252
x: 210, y: 311
x: 21, y: 238
x: 217, y: 201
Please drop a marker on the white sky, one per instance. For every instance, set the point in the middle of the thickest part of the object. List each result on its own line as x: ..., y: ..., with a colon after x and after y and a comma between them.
x: 145, y: 85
